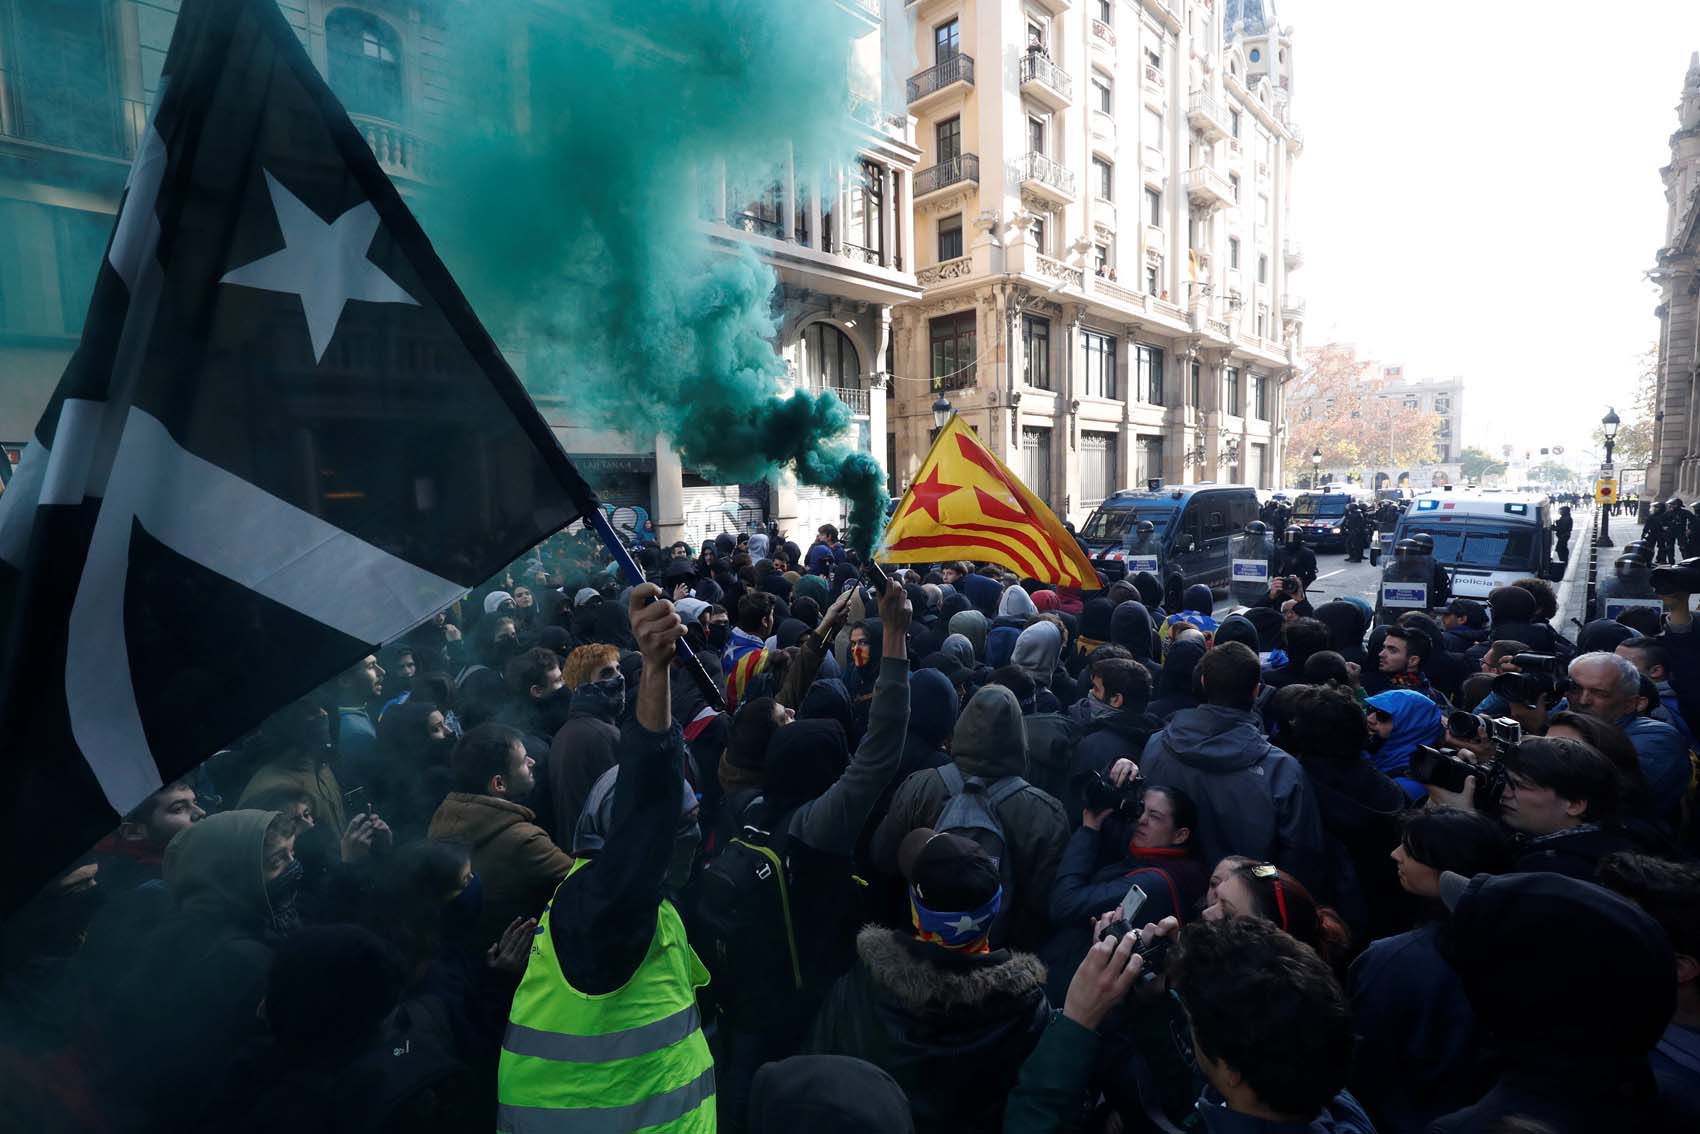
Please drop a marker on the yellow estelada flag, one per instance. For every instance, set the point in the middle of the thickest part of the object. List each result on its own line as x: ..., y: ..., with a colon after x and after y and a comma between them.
x: 964, y: 504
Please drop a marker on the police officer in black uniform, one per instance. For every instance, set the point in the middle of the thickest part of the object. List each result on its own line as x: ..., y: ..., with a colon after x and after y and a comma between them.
x: 1440, y: 584
x: 1294, y: 558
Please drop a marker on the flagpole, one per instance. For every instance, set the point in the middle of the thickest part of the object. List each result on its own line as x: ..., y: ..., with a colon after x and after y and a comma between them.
x: 598, y: 519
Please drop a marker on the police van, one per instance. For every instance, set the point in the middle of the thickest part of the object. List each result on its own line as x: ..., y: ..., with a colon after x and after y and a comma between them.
x: 1483, y: 541
x: 1321, y: 516
x: 1192, y: 527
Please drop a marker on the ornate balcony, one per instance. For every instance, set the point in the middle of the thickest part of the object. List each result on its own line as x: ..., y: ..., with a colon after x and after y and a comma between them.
x: 1046, y: 178
x: 1294, y: 253
x: 1204, y: 114
x: 955, y: 74
x: 400, y: 152
x: 1292, y: 309
x: 1103, y: 33
x: 1044, y: 82
x: 936, y: 178
x: 1208, y: 188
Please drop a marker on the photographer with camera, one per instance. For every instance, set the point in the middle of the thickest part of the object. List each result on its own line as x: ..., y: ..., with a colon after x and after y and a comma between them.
x: 1562, y: 798
x: 1129, y: 835
x: 1608, y: 686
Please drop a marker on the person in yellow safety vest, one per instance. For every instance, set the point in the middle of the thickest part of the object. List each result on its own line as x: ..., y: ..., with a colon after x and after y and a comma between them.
x: 603, y: 1036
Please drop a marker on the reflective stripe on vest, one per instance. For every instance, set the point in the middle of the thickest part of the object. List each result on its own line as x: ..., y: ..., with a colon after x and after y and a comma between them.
x: 631, y: 1059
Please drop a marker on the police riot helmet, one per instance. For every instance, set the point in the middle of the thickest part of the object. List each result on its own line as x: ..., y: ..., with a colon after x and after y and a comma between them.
x: 1256, y: 527
x: 1144, y: 527
x: 1295, y: 536
x: 1423, y: 542
x: 1405, y: 548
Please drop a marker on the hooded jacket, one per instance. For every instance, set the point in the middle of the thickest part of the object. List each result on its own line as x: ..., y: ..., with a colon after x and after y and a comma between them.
x: 518, y: 862
x: 990, y: 741
x: 214, y: 952
x: 982, y: 591
x: 1037, y: 649
x: 1253, y: 799
x: 952, y: 1028
x: 582, y: 749
x: 1174, y: 684
x: 1130, y: 628
x: 1015, y: 607
x: 1000, y: 645
x: 1416, y: 721
x: 961, y: 649
x: 972, y: 625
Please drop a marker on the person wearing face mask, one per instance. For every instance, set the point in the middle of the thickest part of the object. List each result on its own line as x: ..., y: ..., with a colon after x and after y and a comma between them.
x: 232, y: 880
x: 610, y: 954
x: 414, y: 747
x: 588, y: 743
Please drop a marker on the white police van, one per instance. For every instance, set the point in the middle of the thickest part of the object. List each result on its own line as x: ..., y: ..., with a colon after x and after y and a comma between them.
x: 1484, y: 540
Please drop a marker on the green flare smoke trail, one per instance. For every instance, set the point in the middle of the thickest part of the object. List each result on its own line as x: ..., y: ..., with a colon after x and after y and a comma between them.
x: 577, y: 233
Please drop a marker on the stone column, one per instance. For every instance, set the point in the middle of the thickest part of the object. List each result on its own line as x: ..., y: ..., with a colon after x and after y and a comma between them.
x: 888, y: 216
x: 669, y: 493
x: 788, y: 208
x: 817, y: 186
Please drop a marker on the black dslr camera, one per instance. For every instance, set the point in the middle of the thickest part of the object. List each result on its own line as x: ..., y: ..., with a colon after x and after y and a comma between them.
x: 1539, y: 663
x: 1126, y: 802
x: 1502, y: 732
x: 1444, y: 768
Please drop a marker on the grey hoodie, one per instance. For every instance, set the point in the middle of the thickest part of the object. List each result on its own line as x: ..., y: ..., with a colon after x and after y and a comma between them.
x: 990, y: 741
x: 1037, y: 650
x: 1253, y: 799
x: 971, y: 624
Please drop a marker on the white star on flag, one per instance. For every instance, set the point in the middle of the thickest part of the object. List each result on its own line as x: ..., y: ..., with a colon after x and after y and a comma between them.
x: 964, y: 923
x: 324, y: 264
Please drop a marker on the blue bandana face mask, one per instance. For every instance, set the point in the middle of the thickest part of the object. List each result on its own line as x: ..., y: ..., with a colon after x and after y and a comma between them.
x: 954, y: 929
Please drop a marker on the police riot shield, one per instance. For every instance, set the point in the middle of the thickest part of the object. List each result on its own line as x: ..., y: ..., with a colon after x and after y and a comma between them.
x: 1146, y: 554
x: 1627, y: 584
x: 1249, y: 574
x: 1406, y: 582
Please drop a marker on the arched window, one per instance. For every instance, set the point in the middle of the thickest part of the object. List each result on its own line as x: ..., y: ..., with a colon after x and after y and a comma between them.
x: 831, y: 356
x: 365, y: 63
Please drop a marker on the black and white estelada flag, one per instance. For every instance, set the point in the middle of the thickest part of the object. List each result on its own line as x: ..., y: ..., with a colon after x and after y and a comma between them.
x: 284, y: 438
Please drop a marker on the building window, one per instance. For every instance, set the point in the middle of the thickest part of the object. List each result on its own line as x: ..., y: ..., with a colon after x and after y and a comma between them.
x: 1443, y: 403
x: 1036, y: 235
x: 1233, y: 252
x: 865, y: 225
x: 762, y: 215
x: 1099, y: 468
x: 1152, y: 271
x: 830, y: 358
x: 1149, y: 381
x: 1231, y: 376
x: 947, y: 136
x: 1036, y: 461
x: 1262, y: 268
x: 950, y: 237
x: 1154, y: 58
x: 1234, y: 184
x: 1196, y: 381
x: 1234, y: 122
x: 1101, y: 259
x: 947, y: 41
x: 1153, y: 207
x: 46, y: 285
x: 1148, y: 458
x: 1260, y: 397
x: 1104, y: 174
x: 1263, y: 322
x: 1105, y: 9
x: 64, y: 79
x: 952, y: 340
x: 1035, y: 134
x: 1101, y: 94
x: 365, y: 63
x: 1410, y: 403
x: 1100, y: 364
x: 1154, y: 129
x: 1036, y: 340
x: 1255, y: 55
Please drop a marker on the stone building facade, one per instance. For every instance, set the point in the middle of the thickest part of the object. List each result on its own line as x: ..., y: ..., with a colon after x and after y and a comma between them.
x: 1675, y: 467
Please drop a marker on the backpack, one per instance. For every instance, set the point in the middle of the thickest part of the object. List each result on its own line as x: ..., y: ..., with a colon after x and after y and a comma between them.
x: 743, y: 912
x: 972, y: 812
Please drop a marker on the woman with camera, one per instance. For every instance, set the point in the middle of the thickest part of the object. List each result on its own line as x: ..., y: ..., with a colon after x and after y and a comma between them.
x: 1129, y: 835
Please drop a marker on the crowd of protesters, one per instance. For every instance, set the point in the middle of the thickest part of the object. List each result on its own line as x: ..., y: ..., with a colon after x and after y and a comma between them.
x: 965, y: 852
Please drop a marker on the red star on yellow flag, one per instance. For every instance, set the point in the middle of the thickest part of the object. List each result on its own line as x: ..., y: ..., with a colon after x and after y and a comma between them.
x: 999, y: 521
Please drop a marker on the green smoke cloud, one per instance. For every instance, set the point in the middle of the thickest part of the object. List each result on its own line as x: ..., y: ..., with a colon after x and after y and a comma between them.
x: 578, y: 232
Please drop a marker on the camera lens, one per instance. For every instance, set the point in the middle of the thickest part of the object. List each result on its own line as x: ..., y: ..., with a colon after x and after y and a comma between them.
x: 1463, y: 725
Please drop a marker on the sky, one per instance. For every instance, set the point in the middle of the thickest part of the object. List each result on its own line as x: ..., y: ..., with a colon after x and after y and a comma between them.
x: 1479, y: 195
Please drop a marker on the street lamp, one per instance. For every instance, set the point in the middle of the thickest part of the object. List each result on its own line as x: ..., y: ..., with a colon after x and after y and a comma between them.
x: 1608, y: 429
x: 941, y: 412
x: 1315, y: 465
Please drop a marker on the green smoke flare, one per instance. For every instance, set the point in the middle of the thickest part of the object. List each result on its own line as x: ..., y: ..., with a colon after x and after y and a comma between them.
x: 578, y: 234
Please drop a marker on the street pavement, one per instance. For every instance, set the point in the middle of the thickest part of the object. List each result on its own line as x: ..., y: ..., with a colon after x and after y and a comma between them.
x: 1335, y: 578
